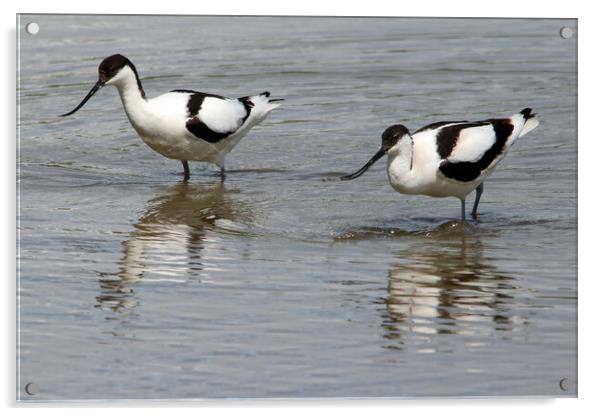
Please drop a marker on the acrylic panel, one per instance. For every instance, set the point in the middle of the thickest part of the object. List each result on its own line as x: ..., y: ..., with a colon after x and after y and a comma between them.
x: 274, y: 278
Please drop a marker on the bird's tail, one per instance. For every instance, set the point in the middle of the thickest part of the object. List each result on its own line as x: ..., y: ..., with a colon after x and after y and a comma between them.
x: 272, y: 102
x: 261, y: 105
x: 530, y: 121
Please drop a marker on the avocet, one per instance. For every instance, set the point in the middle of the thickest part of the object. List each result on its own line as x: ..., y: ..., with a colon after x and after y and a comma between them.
x: 182, y: 124
x: 448, y: 158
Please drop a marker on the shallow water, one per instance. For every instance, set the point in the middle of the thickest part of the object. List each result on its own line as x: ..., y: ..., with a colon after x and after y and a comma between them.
x: 283, y: 281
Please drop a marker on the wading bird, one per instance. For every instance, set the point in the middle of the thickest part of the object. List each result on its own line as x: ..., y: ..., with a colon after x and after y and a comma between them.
x: 448, y: 158
x: 182, y: 124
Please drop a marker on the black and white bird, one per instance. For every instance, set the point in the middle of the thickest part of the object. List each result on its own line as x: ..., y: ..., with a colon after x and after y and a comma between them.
x: 448, y: 158
x: 182, y: 124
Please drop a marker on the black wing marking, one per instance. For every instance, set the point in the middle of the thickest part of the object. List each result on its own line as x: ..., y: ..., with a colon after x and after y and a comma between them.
x: 198, y: 127
x: 469, y: 171
x: 196, y: 100
x: 205, y: 94
x: 436, y: 125
x: 246, y: 101
x: 447, y: 137
x: 202, y: 131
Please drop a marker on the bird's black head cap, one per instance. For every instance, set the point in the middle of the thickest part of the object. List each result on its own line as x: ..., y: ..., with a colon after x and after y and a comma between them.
x: 392, y: 135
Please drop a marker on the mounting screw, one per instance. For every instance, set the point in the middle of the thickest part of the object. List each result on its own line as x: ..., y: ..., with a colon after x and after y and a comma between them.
x: 565, y: 384
x: 31, y: 389
x: 566, y: 32
x: 32, y: 28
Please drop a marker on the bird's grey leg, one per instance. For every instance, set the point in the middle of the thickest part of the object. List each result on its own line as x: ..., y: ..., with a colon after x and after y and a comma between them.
x: 463, y: 209
x: 186, y: 170
x: 222, y: 173
x: 476, y: 200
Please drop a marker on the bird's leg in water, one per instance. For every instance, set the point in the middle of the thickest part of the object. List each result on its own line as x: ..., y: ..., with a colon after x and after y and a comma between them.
x: 476, y: 200
x: 186, y: 170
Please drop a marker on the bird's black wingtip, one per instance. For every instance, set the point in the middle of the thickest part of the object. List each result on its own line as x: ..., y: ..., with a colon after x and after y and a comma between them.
x: 271, y: 100
x: 528, y: 113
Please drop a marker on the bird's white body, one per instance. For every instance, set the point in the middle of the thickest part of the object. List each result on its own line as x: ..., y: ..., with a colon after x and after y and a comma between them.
x: 414, y: 162
x: 161, y: 122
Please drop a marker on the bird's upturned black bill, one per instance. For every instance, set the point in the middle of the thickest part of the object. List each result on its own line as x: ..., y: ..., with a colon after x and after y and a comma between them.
x: 360, y: 172
x: 95, y: 88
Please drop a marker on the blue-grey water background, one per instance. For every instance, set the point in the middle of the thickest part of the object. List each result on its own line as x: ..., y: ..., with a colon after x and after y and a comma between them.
x: 283, y: 281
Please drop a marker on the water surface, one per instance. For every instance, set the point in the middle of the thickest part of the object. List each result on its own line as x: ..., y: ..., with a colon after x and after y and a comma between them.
x: 283, y: 281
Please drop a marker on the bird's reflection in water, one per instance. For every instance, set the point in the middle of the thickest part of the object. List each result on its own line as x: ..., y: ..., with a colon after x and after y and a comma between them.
x: 444, y: 284
x: 170, y: 238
